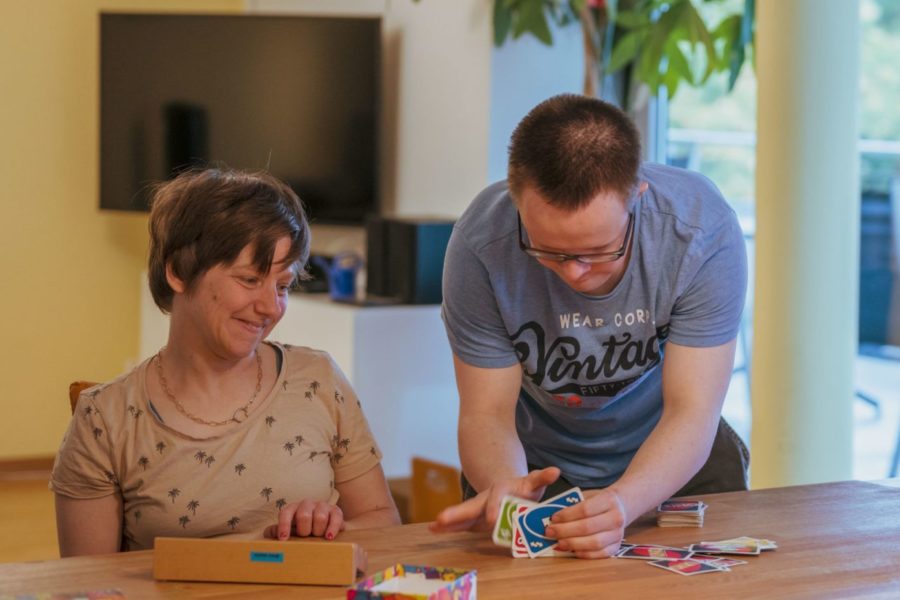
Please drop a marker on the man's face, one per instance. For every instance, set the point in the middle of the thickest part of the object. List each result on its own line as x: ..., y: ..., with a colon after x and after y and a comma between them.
x: 601, y: 226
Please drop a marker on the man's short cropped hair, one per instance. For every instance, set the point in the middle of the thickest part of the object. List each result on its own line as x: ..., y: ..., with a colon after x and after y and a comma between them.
x: 206, y: 217
x: 570, y: 148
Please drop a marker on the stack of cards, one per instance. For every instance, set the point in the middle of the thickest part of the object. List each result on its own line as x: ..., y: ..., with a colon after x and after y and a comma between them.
x: 521, y: 524
x: 680, y: 513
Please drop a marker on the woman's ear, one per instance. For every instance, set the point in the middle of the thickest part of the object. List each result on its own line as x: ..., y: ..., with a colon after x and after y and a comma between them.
x: 174, y: 281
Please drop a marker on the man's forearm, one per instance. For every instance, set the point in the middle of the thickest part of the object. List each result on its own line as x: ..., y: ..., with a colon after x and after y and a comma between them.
x: 670, y: 456
x: 489, y: 451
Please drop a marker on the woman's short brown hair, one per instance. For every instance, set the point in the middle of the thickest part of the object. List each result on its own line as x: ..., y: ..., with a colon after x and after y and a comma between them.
x: 570, y: 148
x: 206, y: 217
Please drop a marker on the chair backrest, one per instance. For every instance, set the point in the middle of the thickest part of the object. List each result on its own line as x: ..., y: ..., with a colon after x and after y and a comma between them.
x: 75, y: 389
x: 435, y: 486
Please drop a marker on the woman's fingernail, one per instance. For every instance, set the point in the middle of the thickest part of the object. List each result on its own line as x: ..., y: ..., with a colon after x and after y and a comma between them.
x: 283, y: 536
x: 329, y: 536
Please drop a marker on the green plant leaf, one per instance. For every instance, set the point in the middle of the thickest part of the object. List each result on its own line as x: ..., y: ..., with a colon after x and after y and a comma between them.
x: 677, y: 64
x: 699, y: 34
x: 625, y: 50
x: 632, y: 19
x: 532, y: 20
x: 502, y: 21
x: 726, y: 37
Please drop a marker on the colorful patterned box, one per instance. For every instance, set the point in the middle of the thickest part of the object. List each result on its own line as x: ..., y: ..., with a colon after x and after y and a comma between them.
x: 409, y: 582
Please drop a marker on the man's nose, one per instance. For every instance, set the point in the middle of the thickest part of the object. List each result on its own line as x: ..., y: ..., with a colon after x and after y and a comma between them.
x: 573, y: 269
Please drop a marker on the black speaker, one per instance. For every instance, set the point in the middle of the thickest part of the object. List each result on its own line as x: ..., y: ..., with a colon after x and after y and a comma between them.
x: 406, y: 258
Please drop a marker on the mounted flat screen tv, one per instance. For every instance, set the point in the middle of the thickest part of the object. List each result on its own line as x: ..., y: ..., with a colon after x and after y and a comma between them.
x: 297, y: 96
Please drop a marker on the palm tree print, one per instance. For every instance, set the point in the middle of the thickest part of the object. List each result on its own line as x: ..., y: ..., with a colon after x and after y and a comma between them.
x: 97, y: 433
x: 209, y: 460
x: 372, y: 451
x: 192, y: 506
x: 160, y: 446
x: 336, y: 458
x: 270, y: 420
x: 338, y: 397
x: 308, y: 395
x: 174, y: 493
x: 200, y: 456
x: 183, y: 520
x: 266, y: 493
x: 289, y: 446
x: 240, y: 468
x: 138, y: 413
x: 110, y: 476
x: 284, y: 385
x: 314, y: 386
x: 143, y: 462
x: 312, y: 455
x: 280, y: 503
x: 233, y: 521
x: 131, y: 409
x: 88, y: 410
x: 299, y: 439
x: 337, y: 442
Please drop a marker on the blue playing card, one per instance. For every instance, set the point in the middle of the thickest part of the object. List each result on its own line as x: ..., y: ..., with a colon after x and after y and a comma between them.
x: 534, y: 521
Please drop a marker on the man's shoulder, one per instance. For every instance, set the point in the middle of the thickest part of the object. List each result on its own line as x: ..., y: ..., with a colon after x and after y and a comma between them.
x: 686, y: 195
x: 489, y: 218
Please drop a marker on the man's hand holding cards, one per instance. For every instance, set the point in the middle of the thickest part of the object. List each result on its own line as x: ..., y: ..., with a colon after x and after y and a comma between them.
x: 521, y: 524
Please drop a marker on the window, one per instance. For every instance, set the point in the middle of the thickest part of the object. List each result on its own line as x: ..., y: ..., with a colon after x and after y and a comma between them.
x: 712, y: 131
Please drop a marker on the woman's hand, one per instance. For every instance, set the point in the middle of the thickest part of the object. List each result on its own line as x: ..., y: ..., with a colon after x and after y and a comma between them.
x: 307, y: 518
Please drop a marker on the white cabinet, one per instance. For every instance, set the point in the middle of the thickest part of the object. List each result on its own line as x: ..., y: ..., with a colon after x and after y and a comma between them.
x: 399, y: 362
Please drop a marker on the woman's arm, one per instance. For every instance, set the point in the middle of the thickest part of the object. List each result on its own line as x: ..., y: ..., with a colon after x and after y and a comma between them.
x: 88, y: 526
x: 367, y: 502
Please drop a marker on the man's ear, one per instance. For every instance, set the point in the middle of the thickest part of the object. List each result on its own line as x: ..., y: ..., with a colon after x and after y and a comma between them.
x: 643, y: 187
x: 178, y: 286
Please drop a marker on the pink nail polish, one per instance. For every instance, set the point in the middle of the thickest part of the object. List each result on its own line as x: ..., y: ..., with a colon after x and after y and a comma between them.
x: 329, y: 536
x: 283, y: 536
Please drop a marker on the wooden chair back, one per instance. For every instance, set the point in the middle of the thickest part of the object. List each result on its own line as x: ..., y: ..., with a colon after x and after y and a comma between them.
x: 75, y: 389
x: 435, y: 486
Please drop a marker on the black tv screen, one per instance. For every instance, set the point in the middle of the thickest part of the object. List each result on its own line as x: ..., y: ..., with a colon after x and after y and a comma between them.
x: 297, y: 96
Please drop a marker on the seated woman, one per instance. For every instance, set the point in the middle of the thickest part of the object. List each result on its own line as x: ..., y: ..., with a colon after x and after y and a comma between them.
x: 220, y: 433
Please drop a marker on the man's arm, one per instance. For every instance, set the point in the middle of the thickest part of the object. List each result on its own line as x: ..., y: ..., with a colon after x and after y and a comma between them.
x: 489, y: 447
x: 492, y: 456
x: 694, y: 384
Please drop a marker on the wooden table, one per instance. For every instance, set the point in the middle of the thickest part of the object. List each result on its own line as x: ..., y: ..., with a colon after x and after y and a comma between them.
x: 837, y: 540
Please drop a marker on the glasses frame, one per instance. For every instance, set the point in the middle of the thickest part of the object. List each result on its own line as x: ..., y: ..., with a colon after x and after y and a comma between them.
x: 587, y: 259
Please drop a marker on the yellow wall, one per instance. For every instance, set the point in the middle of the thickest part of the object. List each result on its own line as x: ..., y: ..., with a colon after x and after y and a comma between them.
x: 70, y: 273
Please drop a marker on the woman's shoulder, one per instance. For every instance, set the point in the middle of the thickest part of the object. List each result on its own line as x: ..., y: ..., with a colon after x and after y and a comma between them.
x: 304, y: 356
x: 118, y: 394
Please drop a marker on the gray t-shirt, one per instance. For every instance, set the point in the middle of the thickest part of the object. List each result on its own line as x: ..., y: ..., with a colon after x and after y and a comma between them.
x: 592, y: 381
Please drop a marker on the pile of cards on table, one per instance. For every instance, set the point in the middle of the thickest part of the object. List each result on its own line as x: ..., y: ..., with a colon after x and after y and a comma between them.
x: 703, y: 557
x: 521, y: 524
x: 680, y: 513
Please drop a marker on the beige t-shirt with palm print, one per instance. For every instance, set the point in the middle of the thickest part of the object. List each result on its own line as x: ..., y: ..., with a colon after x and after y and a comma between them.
x: 308, y: 434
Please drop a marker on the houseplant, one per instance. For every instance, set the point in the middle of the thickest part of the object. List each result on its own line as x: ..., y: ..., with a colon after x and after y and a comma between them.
x: 659, y: 43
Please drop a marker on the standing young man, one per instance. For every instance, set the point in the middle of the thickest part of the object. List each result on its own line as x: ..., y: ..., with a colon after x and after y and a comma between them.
x: 592, y: 304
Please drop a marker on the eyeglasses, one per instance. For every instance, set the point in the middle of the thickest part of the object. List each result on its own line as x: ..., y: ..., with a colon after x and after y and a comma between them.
x: 590, y: 259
